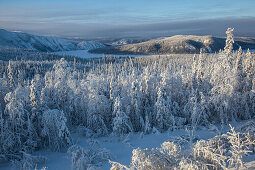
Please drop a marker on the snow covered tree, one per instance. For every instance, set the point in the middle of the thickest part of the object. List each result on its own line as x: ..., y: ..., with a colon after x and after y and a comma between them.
x: 34, y: 95
x: 55, y: 132
x: 48, y: 98
x: 147, y: 102
x: 229, y: 41
x: 33, y: 138
x: 161, y: 112
x: 20, y: 78
x: 200, y: 68
x: 10, y: 76
x: 249, y: 70
x: 136, y: 105
x: 222, y: 80
x: 96, y: 123
x: 196, y: 110
x: 99, y: 109
x: 62, y: 73
x: 14, y: 126
x: 121, y: 122
x: 238, y: 71
x: 165, y: 107
x: 147, y: 125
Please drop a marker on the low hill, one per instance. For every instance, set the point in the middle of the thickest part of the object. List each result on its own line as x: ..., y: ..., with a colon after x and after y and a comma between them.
x: 179, y: 44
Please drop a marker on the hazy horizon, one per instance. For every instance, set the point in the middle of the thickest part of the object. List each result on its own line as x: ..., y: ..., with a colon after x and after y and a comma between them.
x: 114, y: 19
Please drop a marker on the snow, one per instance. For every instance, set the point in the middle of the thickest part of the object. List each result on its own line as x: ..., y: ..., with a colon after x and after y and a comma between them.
x: 121, y: 148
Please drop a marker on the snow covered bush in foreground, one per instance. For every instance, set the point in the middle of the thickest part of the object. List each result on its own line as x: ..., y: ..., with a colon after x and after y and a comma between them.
x: 225, y: 151
x: 92, y: 157
x: 221, y: 152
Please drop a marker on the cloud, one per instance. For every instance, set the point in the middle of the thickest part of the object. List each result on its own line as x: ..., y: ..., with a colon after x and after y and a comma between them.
x: 92, y: 19
x: 216, y: 27
x: 243, y: 27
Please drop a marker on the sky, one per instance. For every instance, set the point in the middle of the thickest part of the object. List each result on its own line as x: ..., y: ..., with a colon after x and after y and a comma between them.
x: 127, y: 18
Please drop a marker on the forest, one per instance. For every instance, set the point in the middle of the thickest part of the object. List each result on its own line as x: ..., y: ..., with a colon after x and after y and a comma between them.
x: 45, y: 98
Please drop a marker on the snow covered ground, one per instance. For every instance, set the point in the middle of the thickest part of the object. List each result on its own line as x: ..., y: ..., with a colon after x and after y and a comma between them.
x: 86, y: 54
x: 121, y: 148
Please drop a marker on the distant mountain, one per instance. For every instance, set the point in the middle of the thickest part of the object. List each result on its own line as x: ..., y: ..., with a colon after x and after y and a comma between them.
x: 42, y: 43
x: 178, y: 44
x: 115, y: 41
x: 125, y: 41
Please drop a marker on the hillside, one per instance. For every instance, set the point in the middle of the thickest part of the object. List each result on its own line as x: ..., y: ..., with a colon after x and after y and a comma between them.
x: 178, y: 44
x: 43, y: 43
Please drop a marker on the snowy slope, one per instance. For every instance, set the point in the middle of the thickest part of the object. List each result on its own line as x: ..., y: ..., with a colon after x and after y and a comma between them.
x: 125, y: 41
x: 42, y: 43
x: 89, y: 45
x: 178, y: 44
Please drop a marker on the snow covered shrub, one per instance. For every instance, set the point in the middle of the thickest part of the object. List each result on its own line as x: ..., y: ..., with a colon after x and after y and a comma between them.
x: 28, y: 162
x: 165, y: 157
x: 221, y: 152
x: 117, y: 166
x: 92, y: 157
x: 55, y: 132
x: 96, y: 154
x: 79, y: 157
x: 225, y: 151
x: 240, y: 146
x: 212, y: 152
x: 148, y: 159
x: 190, y: 164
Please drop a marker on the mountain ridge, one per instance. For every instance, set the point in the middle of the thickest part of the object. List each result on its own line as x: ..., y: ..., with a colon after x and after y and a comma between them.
x: 43, y: 43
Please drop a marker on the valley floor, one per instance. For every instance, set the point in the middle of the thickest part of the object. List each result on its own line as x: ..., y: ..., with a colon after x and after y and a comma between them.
x: 86, y: 54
